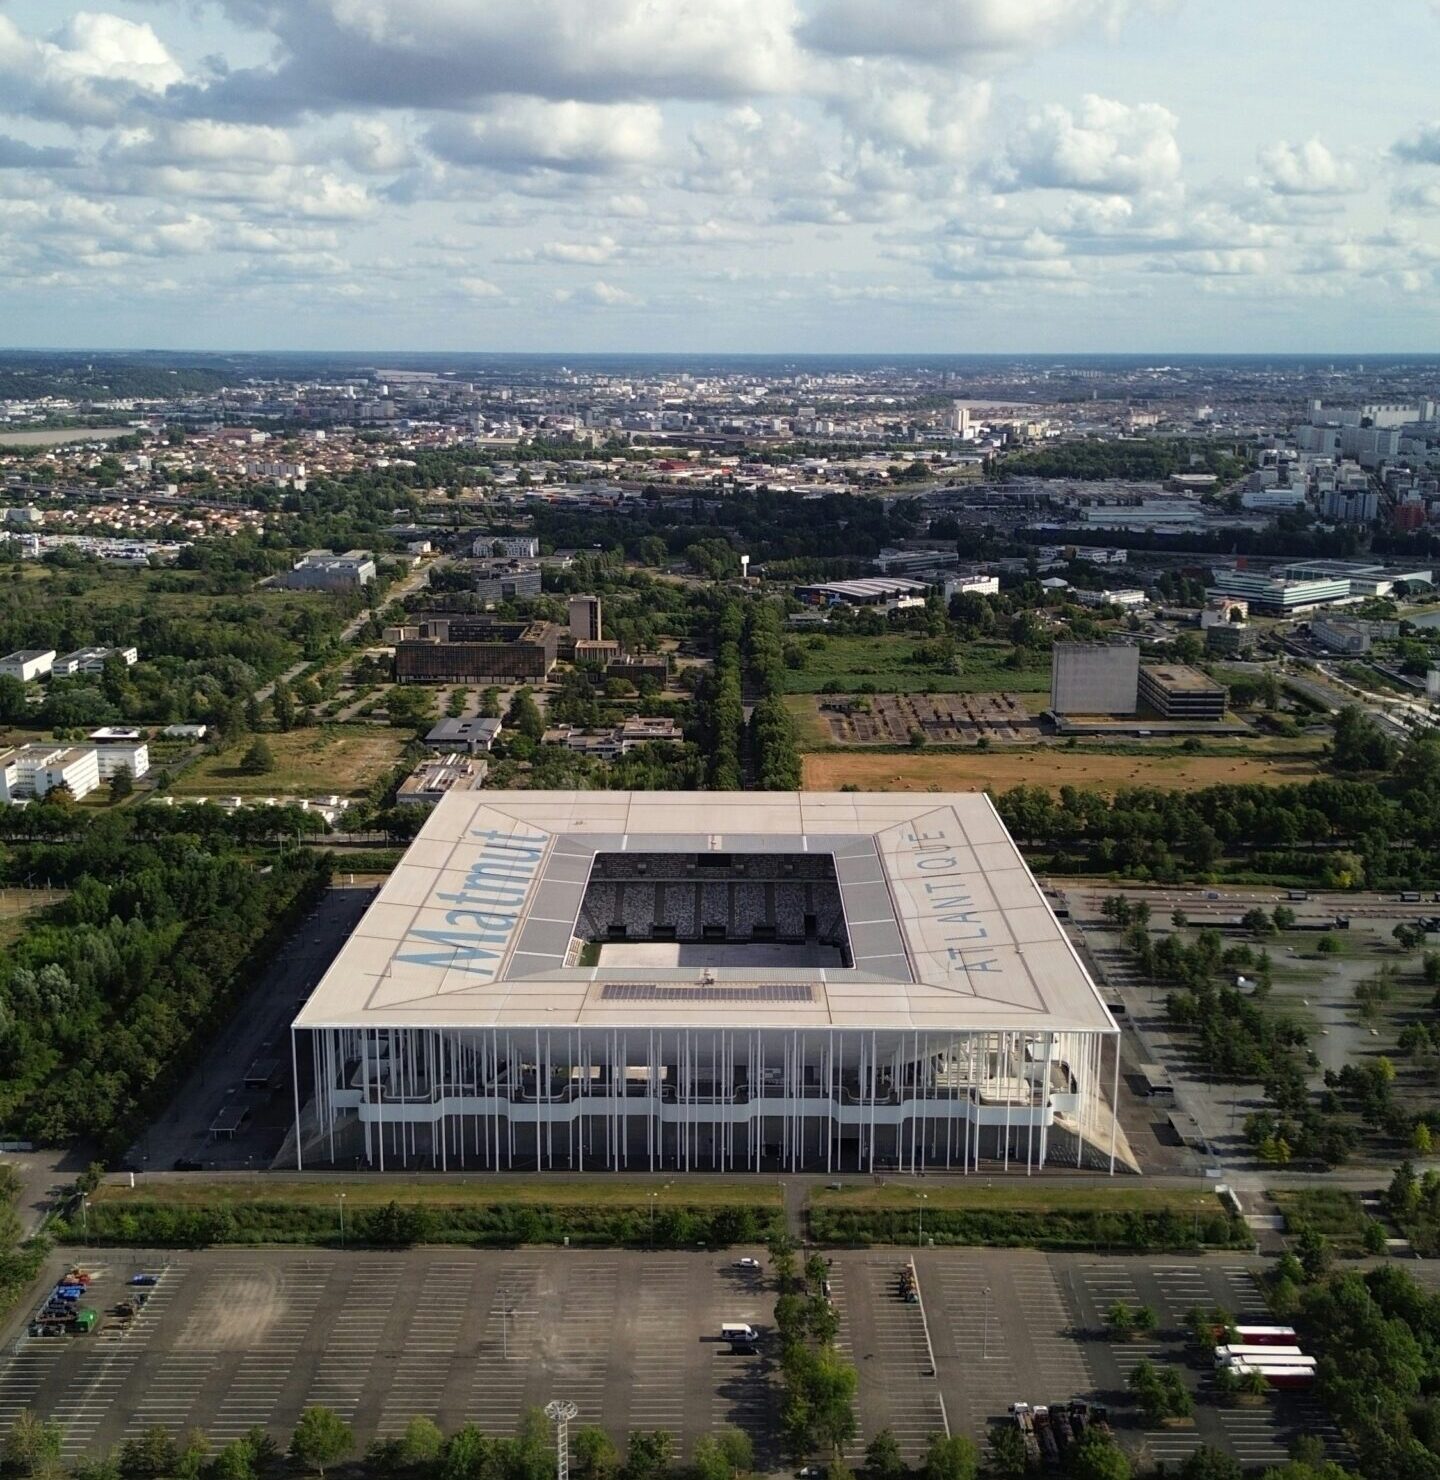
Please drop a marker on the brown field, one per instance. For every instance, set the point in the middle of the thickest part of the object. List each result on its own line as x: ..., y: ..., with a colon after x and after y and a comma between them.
x: 1048, y: 766
x: 308, y: 762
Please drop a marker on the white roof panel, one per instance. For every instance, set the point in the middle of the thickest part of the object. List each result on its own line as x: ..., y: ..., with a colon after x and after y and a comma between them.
x: 948, y: 927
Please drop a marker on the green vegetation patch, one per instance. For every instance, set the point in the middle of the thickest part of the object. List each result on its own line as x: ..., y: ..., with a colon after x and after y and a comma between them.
x: 1332, y: 1212
x: 382, y: 1211
x: 1137, y: 1219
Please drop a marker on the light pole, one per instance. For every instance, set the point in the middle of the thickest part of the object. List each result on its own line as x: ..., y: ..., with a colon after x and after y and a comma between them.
x: 985, y: 1340
x: 85, y: 1218
x: 920, y: 1236
x: 560, y: 1411
x: 652, y: 1196
x: 340, y: 1201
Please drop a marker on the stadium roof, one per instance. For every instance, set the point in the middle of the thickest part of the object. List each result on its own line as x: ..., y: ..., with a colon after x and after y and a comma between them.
x: 948, y: 929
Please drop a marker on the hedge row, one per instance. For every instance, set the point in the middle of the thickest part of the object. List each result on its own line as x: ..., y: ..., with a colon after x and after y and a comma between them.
x: 147, y: 1222
x: 1135, y: 1232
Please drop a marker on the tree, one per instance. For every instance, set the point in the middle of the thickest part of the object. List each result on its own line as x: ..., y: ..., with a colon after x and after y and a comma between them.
x: 259, y: 759
x: 33, y: 1443
x: 649, y: 1455
x: 421, y: 1442
x: 1179, y: 919
x: 1284, y: 918
x: 1257, y: 922
x: 1327, y: 945
x: 122, y: 784
x: 953, y: 1458
x: 1145, y: 1318
x: 1007, y: 1459
x: 1208, y: 1463
x: 152, y: 1455
x: 883, y: 1460
x: 1098, y: 1457
x: 282, y: 706
x: 1121, y: 1320
x: 1421, y: 1139
x: 593, y: 1454
x: 13, y: 708
x: 524, y: 717
x: 321, y: 1438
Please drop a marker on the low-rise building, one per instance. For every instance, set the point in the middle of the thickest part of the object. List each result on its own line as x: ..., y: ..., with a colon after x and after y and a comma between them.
x: 120, y: 750
x: 1178, y: 692
x: 433, y: 779
x: 321, y: 571
x: 1338, y: 636
x: 506, y: 546
x: 886, y: 592
x: 465, y: 736
x: 507, y: 580
x: 1129, y: 598
x: 1229, y: 638
x: 185, y: 732
x: 29, y: 772
x: 28, y: 664
x: 621, y: 740
x: 92, y: 660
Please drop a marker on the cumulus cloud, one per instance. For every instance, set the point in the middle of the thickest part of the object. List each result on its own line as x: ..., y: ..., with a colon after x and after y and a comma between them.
x: 599, y: 295
x: 530, y: 134
x: 87, y: 72
x: 931, y: 30
x: 1307, y: 169
x: 457, y: 53
x: 1420, y: 146
x: 477, y: 287
x: 1103, y: 146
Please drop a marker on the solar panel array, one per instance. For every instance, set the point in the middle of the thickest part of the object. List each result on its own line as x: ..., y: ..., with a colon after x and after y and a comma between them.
x: 706, y: 992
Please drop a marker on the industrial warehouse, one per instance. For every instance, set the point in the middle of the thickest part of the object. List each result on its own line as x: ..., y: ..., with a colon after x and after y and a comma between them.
x: 702, y: 981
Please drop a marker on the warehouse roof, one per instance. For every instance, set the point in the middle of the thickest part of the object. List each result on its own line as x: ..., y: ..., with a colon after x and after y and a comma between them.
x: 478, y: 925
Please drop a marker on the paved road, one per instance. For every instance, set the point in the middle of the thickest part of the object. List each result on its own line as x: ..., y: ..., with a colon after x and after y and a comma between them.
x: 259, y: 1029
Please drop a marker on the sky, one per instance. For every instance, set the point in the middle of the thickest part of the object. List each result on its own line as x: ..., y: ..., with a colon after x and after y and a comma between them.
x: 927, y: 176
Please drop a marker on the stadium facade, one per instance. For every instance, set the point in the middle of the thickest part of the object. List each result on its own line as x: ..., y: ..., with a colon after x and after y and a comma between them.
x: 697, y: 981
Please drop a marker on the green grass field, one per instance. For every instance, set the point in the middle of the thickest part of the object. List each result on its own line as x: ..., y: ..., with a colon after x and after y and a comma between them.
x: 1328, y: 1210
x: 374, y: 1192
x: 344, y: 760
x: 890, y: 664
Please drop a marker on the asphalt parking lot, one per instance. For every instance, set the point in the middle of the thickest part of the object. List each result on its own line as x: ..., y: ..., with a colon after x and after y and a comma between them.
x: 231, y: 1339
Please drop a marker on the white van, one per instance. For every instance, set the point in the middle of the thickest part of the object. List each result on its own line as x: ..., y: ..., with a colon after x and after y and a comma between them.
x: 737, y: 1331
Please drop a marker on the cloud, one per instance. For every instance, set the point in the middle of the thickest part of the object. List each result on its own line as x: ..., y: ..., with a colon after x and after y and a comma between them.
x: 1307, y: 169
x: 947, y: 30
x: 456, y: 54
x: 372, y: 147
x: 16, y: 154
x: 529, y: 134
x: 599, y: 295
x: 88, y: 72
x: 478, y: 288
x: 1420, y: 146
x: 1104, y: 146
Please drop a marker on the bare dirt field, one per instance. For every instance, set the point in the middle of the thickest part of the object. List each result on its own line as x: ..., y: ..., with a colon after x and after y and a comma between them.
x: 1048, y: 766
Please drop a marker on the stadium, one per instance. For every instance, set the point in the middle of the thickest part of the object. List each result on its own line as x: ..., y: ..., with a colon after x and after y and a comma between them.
x: 708, y: 981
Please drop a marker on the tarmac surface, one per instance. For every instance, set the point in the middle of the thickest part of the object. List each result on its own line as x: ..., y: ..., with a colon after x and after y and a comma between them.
x: 231, y: 1339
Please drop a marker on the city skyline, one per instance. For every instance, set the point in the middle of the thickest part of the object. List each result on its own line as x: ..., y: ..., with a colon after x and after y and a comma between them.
x: 1039, y: 176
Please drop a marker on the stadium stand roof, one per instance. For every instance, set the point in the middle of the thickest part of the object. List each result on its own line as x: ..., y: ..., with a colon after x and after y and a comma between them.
x: 946, y: 926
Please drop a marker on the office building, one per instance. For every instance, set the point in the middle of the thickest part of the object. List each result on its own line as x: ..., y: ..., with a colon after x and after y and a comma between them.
x: 120, y: 750
x: 820, y: 982
x: 885, y: 592
x: 1174, y: 691
x: 585, y: 619
x: 30, y: 771
x: 507, y: 580
x: 322, y: 571
x: 476, y: 650
x: 464, y: 736
x: 433, y: 779
x: 92, y: 660
x: 1090, y: 678
x: 28, y: 665
x: 1276, y: 595
x: 506, y: 546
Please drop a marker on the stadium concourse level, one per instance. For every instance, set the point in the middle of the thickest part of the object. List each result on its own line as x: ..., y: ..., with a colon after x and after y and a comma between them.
x: 823, y: 981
